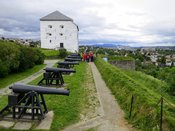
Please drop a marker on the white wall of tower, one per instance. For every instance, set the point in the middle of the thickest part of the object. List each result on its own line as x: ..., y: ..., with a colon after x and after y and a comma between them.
x: 55, y: 32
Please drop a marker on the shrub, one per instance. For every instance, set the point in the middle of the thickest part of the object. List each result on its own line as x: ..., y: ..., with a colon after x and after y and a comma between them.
x: 4, y: 69
x: 9, y: 56
x: 62, y: 53
x: 39, y: 57
x: 14, y: 58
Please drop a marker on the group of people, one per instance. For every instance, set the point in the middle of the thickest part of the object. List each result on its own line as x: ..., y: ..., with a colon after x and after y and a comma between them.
x: 88, y: 56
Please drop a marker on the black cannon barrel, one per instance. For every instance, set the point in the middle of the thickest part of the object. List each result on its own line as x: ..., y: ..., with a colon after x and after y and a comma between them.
x: 75, y: 54
x: 72, y: 59
x: 49, y: 69
x: 76, y: 57
x: 68, y: 63
x: 23, y: 88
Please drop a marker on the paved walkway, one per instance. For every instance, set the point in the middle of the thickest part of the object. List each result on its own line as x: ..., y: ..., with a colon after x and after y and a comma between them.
x: 49, y: 63
x: 111, y: 117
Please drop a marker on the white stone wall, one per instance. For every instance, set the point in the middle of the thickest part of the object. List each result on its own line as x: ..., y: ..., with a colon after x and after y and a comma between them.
x: 52, y: 37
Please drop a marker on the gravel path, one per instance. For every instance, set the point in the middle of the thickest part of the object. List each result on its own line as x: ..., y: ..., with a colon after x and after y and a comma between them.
x: 49, y: 63
x: 111, y: 117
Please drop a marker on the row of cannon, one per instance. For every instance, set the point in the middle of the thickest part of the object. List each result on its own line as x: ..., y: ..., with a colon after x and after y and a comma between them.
x: 29, y: 100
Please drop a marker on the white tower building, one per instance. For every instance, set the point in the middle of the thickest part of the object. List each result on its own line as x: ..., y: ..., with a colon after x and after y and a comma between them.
x: 59, y: 31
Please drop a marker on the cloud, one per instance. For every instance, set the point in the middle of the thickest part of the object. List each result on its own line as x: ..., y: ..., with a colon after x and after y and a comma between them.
x: 140, y: 22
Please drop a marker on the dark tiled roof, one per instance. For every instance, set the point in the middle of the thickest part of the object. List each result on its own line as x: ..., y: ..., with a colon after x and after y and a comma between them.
x: 55, y: 16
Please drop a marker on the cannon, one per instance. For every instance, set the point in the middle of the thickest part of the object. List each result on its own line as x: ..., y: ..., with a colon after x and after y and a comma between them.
x: 25, y: 100
x: 67, y: 64
x: 72, y: 59
x: 52, y: 75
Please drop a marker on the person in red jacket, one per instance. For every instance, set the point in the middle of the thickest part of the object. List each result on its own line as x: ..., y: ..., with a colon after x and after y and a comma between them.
x: 87, y: 57
x: 91, y: 56
x: 84, y: 56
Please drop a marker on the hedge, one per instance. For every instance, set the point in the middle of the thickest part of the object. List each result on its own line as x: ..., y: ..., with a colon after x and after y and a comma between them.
x: 15, y: 57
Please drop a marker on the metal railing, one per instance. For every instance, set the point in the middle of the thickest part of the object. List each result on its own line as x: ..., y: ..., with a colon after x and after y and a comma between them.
x: 160, y: 104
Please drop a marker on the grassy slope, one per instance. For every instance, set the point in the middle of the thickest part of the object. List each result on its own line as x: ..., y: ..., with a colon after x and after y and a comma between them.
x: 49, y: 53
x: 147, y: 92
x: 11, y: 78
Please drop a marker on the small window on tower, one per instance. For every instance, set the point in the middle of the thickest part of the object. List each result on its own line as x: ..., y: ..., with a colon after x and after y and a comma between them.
x: 50, y: 26
x: 61, y: 34
x: 49, y: 34
x: 50, y: 41
x: 61, y: 26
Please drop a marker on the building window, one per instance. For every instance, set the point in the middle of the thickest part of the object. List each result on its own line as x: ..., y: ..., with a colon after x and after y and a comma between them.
x: 49, y: 34
x: 61, y: 34
x: 61, y: 26
x: 61, y: 45
x: 50, y: 41
x: 50, y: 26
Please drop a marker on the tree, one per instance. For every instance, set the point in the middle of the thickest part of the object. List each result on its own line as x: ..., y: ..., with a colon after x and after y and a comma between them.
x: 162, y: 60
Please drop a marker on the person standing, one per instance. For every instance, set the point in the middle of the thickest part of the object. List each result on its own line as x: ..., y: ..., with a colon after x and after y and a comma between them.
x: 91, y: 56
x: 87, y: 57
x: 84, y: 56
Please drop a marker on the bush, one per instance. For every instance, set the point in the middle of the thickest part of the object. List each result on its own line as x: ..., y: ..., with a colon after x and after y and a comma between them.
x: 4, y: 69
x: 62, y: 53
x: 14, y: 58
x: 9, y: 56
x: 168, y: 75
x: 39, y: 58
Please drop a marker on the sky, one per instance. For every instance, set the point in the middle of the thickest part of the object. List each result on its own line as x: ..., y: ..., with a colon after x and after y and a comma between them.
x: 124, y: 22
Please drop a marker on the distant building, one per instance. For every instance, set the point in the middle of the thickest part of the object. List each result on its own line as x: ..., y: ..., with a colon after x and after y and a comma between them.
x: 59, y: 31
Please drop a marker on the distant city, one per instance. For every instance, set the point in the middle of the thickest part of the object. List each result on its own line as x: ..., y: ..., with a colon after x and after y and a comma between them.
x: 117, y: 45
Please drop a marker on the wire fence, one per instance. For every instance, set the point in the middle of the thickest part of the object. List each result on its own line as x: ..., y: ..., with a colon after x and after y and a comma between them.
x: 160, y: 104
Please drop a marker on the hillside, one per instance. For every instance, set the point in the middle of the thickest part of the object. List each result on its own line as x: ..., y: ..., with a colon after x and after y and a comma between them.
x: 146, y: 92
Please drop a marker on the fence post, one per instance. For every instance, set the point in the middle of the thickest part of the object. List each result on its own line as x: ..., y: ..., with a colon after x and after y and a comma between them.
x: 161, y: 113
x: 132, y: 100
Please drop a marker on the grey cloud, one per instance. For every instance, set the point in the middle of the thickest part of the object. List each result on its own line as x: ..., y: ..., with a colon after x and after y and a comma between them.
x: 19, y: 18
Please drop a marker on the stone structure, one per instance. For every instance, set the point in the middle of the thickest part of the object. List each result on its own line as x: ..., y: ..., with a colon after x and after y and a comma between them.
x: 124, y: 64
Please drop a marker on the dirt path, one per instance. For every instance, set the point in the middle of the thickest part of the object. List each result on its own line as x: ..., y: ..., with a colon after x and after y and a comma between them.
x: 111, y: 117
x: 49, y: 63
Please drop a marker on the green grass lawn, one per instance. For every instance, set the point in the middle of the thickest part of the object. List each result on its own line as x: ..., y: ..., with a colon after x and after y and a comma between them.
x: 50, y: 53
x: 11, y: 78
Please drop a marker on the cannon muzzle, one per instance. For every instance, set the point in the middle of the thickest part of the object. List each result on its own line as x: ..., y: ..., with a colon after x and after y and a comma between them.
x: 23, y: 88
